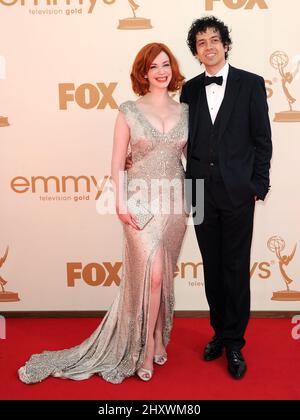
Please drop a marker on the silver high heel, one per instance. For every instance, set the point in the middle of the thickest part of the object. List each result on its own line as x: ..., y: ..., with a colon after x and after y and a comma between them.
x: 144, y: 374
x: 160, y: 359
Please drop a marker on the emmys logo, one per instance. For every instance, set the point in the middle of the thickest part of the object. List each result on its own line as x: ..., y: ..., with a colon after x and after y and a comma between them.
x: 133, y: 22
x: 3, y: 120
x: 2, y: 328
x: 6, y: 296
x: 276, y: 244
x: 279, y: 61
x: 41, y: 184
x: 87, y: 96
x: 238, y: 4
x: 51, y: 7
x: 296, y: 329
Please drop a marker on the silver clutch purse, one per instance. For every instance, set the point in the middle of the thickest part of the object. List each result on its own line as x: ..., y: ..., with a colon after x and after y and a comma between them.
x: 140, y: 211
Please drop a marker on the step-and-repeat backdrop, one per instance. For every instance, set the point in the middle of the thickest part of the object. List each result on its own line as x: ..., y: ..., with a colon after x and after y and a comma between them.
x: 64, y: 70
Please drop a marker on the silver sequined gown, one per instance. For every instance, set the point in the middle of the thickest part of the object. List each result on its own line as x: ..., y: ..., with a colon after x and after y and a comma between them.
x: 116, y: 348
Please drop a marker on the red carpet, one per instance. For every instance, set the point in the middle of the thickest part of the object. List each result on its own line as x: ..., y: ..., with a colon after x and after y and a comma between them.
x: 273, y: 358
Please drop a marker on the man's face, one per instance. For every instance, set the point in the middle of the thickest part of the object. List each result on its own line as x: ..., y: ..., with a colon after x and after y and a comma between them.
x: 210, y: 50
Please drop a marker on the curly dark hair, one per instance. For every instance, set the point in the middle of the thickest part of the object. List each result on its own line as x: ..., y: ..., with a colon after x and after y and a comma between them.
x: 201, y: 25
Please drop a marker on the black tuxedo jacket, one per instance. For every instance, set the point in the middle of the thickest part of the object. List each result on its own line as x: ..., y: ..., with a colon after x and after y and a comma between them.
x: 244, y: 140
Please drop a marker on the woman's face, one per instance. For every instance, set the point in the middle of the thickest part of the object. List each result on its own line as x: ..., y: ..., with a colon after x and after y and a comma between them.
x: 160, y: 72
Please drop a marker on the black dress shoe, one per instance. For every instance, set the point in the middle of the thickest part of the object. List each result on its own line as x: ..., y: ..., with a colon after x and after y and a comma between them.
x: 236, y: 364
x: 213, y: 350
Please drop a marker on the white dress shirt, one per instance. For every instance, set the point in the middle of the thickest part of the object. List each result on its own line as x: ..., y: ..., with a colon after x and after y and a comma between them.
x: 215, y: 93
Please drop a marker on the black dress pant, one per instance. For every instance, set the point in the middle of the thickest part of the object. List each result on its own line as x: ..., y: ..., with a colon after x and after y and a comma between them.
x: 224, y: 239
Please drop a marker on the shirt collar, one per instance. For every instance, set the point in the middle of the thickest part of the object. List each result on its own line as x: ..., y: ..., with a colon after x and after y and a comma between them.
x: 223, y: 72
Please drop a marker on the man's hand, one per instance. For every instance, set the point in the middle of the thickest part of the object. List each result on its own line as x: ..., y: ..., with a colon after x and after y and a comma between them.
x: 128, y: 162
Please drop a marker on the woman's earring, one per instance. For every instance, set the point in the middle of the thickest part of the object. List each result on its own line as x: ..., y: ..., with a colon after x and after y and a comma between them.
x: 146, y: 77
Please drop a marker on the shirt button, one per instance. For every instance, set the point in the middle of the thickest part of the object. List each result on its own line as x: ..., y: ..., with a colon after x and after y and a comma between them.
x: 212, y: 164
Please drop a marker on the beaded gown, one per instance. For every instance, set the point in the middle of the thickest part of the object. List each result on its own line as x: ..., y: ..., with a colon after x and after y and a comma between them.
x: 116, y: 349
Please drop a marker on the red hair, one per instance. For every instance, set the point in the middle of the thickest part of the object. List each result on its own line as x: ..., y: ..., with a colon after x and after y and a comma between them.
x: 142, y: 64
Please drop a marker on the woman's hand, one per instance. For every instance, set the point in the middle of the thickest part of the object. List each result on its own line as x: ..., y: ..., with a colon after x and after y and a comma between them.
x: 128, y: 162
x: 127, y: 218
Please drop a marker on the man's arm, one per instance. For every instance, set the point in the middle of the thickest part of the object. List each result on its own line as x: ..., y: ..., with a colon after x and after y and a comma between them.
x: 261, y: 135
x: 183, y: 95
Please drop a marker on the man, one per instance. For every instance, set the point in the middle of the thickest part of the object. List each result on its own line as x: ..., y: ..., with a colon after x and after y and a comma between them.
x: 230, y: 148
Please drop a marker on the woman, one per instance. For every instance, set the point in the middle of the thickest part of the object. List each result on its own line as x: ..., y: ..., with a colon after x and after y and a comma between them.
x: 136, y: 330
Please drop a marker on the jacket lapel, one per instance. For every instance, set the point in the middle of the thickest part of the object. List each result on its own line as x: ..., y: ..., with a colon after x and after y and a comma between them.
x: 199, y: 102
x: 231, y: 93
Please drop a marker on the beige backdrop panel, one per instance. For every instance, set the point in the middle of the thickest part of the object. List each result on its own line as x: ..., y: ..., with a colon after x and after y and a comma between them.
x: 64, y: 69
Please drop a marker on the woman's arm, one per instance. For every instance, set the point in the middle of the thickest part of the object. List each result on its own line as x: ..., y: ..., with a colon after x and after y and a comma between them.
x: 120, y: 148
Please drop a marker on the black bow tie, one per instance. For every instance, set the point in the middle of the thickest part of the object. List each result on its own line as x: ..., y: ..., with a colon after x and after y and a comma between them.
x: 218, y: 80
